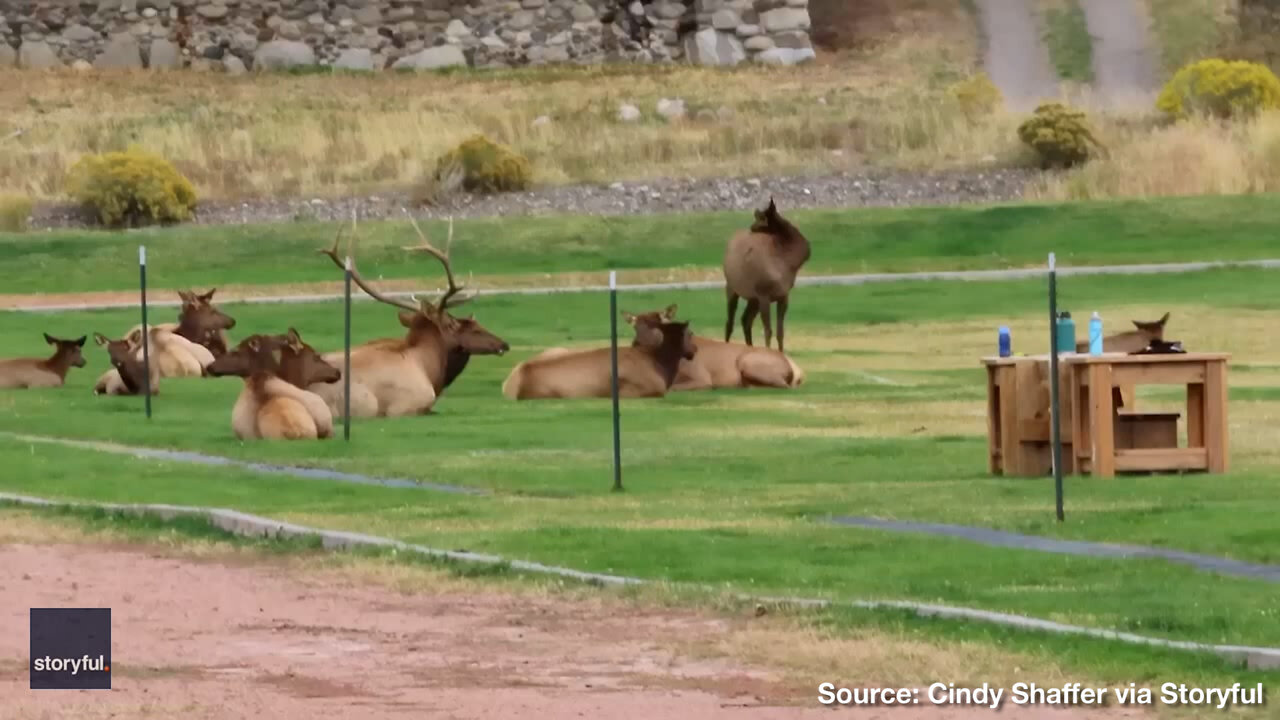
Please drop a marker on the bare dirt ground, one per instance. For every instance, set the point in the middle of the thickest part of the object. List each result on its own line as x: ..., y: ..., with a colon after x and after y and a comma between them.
x: 1123, y: 65
x: 217, y: 634
x: 1016, y: 59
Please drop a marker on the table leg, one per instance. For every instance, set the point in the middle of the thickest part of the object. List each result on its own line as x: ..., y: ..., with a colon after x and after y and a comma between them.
x: 1079, y: 419
x: 1215, y: 416
x: 993, y: 422
x: 1009, y: 447
x: 1195, y: 415
x: 1101, y: 422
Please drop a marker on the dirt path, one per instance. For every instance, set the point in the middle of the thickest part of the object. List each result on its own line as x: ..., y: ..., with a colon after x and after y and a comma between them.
x: 210, y: 638
x: 1123, y: 67
x: 1016, y: 59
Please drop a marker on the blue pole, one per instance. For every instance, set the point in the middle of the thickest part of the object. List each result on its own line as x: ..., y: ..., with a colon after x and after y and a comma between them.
x: 146, y: 334
x: 613, y: 352
x: 346, y: 367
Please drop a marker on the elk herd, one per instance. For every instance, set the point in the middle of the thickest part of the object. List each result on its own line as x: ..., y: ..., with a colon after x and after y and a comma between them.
x: 292, y: 391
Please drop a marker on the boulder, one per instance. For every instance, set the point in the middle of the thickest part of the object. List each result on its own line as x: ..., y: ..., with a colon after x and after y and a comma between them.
x: 282, y: 54
x: 355, y: 59
x: 433, y: 57
x: 712, y: 47
x: 37, y: 55
x: 164, y: 55
x: 8, y: 56
x: 784, y: 19
x: 786, y: 56
x: 231, y: 65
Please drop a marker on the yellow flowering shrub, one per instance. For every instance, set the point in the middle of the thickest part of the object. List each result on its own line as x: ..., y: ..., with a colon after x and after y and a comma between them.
x: 131, y: 188
x: 1220, y: 88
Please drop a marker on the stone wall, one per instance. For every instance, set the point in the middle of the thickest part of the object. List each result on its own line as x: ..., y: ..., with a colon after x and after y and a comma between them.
x: 236, y: 35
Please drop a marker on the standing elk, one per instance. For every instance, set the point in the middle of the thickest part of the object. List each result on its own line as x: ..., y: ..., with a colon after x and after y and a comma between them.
x: 393, y: 377
x: 760, y: 264
x: 645, y: 369
x: 129, y: 377
x: 274, y: 404
x: 722, y: 364
x: 43, y: 372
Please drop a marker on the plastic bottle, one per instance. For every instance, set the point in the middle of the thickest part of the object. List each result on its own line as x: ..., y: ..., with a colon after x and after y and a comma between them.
x: 1095, y: 334
x: 1066, y: 333
x: 1006, y: 345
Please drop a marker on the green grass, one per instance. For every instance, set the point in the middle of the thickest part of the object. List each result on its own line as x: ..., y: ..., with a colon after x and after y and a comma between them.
x: 861, y: 240
x: 1066, y: 35
x: 714, y: 490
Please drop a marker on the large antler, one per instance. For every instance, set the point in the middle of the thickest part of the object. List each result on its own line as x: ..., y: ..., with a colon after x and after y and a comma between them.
x: 454, y: 295
x: 355, y: 275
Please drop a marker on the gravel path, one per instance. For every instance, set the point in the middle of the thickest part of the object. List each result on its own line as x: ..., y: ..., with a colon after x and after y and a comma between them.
x: 1016, y: 59
x: 629, y: 198
x: 1123, y: 67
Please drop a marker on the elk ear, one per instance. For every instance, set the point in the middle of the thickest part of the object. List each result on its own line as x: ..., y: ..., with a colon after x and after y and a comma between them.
x: 670, y: 312
x: 187, y: 296
x: 629, y: 317
x: 100, y: 339
x: 252, y: 344
x: 50, y: 339
x: 293, y: 338
x: 209, y: 295
x: 80, y: 341
x: 772, y: 210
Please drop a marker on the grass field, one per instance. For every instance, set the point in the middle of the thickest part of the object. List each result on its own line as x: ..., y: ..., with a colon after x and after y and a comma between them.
x: 890, y: 422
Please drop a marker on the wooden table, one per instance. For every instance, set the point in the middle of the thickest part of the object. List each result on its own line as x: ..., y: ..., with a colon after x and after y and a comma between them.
x: 1094, y: 380
x: 1018, y: 414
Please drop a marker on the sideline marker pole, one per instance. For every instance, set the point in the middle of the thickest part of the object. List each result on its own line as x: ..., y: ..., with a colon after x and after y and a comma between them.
x: 346, y: 362
x: 1055, y: 421
x: 613, y: 351
x: 146, y: 333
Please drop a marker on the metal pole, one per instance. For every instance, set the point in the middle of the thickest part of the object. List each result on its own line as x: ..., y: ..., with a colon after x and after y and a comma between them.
x: 613, y: 350
x: 1055, y: 422
x: 146, y: 333
x: 346, y: 367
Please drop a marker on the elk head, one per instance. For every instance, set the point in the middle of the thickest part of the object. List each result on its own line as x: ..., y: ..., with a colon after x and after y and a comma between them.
x: 657, y: 331
x: 200, y: 320
x: 67, y: 351
x: 120, y: 352
x: 1154, y: 329
x: 301, y: 365
x: 423, y: 317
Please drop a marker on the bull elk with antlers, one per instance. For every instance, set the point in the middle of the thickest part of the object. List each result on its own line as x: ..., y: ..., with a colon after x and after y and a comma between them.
x: 760, y: 264
x: 645, y: 369
x: 43, y: 372
x: 274, y: 404
x: 404, y: 376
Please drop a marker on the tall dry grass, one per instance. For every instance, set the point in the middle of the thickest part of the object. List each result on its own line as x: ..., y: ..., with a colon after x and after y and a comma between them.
x: 881, y: 105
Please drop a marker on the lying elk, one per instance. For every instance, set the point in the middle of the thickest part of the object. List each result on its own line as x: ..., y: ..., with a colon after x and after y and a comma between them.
x: 722, y: 364
x: 760, y: 264
x: 129, y: 377
x: 168, y: 353
x: 1131, y: 341
x: 274, y: 404
x: 645, y: 369
x: 201, y: 322
x: 404, y: 376
x: 43, y: 372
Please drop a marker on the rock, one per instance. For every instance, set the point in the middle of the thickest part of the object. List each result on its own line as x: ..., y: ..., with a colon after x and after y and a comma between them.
x: 785, y: 56
x: 212, y: 11
x: 37, y: 55
x: 798, y: 3
x: 122, y: 51
x: 628, y: 113
x: 783, y: 19
x: 8, y: 56
x: 432, y: 58
x: 560, y: 38
x: 792, y: 39
x: 243, y: 42
x: 669, y: 10
x: 521, y: 20
x: 493, y: 42
x: 636, y: 8
x: 712, y: 47
x: 148, y: 13
x: 80, y: 33
x: 457, y: 28
x: 355, y: 59
x: 232, y: 65
x: 725, y: 19
x: 746, y: 31
x: 164, y: 55
x: 281, y: 54
x: 289, y: 30
x: 532, y: 4
x: 671, y: 109
x: 551, y: 54
x: 368, y: 15
x: 758, y: 43
x: 81, y: 66
x: 583, y: 12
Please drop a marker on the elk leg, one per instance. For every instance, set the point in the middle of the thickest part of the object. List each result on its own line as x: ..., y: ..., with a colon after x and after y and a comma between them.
x: 768, y: 325
x: 749, y: 318
x: 733, y: 313
x: 782, y: 312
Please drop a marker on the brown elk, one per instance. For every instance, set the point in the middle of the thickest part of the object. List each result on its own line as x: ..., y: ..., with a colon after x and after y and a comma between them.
x: 43, y: 372
x: 1130, y: 341
x: 404, y: 376
x: 201, y: 322
x: 129, y: 377
x: 721, y: 364
x: 645, y: 369
x: 274, y: 404
x: 760, y: 264
x: 169, y: 354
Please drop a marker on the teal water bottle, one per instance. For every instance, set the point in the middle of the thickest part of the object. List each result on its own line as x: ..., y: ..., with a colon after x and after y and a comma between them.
x: 1066, y: 333
x: 1095, y: 334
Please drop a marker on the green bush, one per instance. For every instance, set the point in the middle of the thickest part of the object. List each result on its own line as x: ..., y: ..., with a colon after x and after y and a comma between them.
x: 976, y: 95
x: 1060, y: 135
x: 131, y: 188
x: 484, y: 166
x: 1220, y: 88
x: 14, y: 211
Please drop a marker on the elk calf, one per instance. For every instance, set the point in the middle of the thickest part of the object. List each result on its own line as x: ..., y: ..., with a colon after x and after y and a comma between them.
x: 43, y: 372
x: 645, y: 369
x: 127, y: 376
x: 273, y: 404
x: 721, y: 364
x: 169, y: 354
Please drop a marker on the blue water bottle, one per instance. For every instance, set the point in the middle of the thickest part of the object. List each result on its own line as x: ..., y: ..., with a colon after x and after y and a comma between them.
x: 1095, y: 334
x: 1006, y: 345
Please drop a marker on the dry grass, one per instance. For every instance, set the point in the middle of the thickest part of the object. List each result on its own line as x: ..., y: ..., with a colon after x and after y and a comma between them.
x: 326, y: 134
